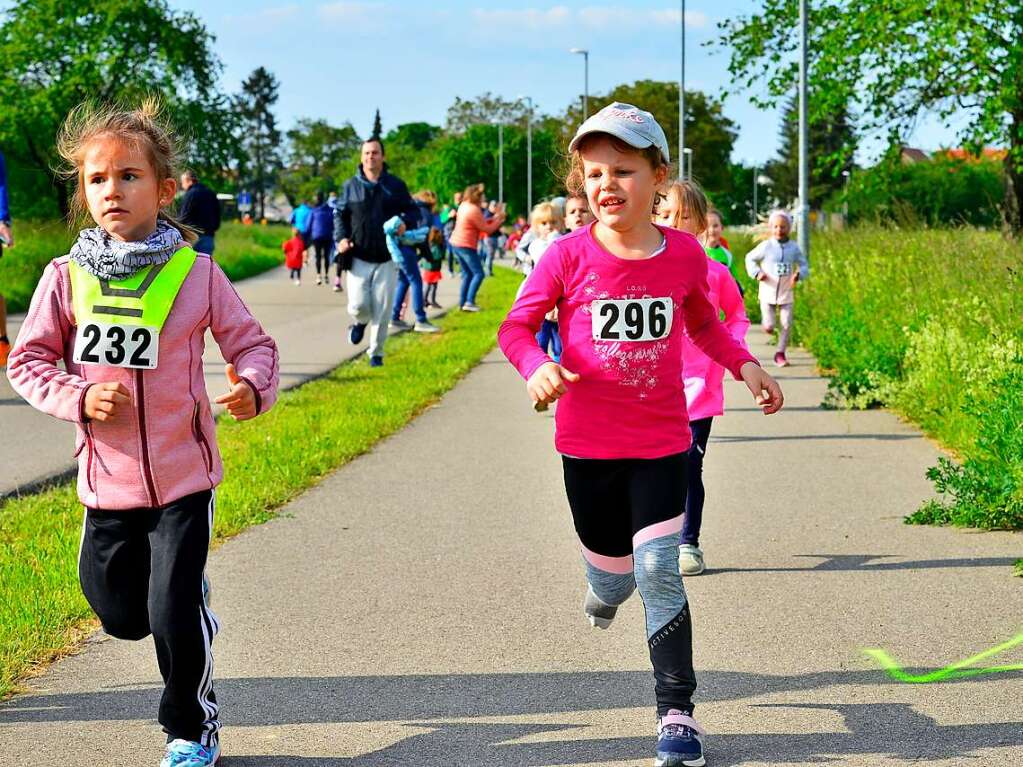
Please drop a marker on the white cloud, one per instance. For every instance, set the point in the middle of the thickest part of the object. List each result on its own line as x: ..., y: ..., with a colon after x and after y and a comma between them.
x: 591, y: 17
x: 530, y: 18
x: 348, y: 11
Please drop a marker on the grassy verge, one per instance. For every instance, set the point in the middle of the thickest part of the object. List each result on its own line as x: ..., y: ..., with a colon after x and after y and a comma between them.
x: 1018, y: 571
x: 930, y: 324
x: 242, y: 251
x: 335, y: 418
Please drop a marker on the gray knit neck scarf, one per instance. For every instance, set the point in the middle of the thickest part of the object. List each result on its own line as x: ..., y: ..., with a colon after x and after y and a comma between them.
x: 109, y: 259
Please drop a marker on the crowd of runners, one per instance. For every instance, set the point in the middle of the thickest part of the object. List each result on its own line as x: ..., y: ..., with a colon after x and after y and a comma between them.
x: 627, y: 317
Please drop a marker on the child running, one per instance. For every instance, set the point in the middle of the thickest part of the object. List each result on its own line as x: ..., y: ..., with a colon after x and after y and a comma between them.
x: 577, y: 212
x: 703, y: 378
x: 126, y: 312
x: 294, y: 255
x: 626, y: 291
x: 778, y: 264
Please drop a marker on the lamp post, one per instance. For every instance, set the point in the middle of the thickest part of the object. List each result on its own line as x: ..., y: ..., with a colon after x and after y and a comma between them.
x: 804, y: 138
x: 586, y: 79
x: 758, y: 179
x: 845, y: 201
x: 500, y: 163
x: 682, y: 91
x: 529, y: 152
x: 687, y: 154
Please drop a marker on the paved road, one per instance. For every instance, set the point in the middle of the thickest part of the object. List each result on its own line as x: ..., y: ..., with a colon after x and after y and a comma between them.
x: 422, y: 606
x: 308, y: 322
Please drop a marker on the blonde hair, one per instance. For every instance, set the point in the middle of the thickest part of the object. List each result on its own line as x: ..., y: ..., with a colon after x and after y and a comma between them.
x: 575, y: 183
x: 688, y: 198
x: 143, y: 127
x: 545, y: 212
x: 427, y: 196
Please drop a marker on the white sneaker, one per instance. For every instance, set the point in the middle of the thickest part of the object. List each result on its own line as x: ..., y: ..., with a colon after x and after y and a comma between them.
x: 599, y: 614
x: 690, y: 560
x: 426, y: 327
x: 319, y: 280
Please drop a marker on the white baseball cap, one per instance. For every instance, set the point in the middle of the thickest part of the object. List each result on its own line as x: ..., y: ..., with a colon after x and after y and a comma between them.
x: 634, y: 126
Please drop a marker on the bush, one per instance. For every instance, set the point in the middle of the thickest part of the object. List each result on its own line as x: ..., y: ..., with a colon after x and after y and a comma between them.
x: 942, y: 192
x: 929, y: 323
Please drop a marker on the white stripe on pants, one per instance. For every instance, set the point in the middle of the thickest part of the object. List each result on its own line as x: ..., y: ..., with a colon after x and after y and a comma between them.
x: 370, y: 298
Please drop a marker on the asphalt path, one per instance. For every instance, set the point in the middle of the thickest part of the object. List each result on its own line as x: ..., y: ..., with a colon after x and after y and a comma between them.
x: 423, y: 606
x: 309, y: 323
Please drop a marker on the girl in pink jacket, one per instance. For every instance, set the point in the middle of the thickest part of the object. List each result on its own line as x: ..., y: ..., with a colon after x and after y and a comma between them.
x: 127, y: 311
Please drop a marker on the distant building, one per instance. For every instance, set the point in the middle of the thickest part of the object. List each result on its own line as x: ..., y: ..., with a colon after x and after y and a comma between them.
x: 911, y: 156
x: 988, y: 153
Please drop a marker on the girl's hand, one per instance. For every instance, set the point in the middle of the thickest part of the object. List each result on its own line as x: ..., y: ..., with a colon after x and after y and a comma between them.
x: 104, y: 400
x: 547, y: 384
x: 241, y: 400
x: 761, y: 384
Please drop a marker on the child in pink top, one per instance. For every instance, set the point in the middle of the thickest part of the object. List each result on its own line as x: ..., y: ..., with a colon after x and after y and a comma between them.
x: 627, y: 291
x: 132, y: 382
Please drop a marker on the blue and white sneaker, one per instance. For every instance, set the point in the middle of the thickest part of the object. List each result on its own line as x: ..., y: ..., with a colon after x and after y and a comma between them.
x: 188, y: 753
x: 679, y: 741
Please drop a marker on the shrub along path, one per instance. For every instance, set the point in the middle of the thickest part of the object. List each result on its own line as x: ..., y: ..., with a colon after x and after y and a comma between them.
x: 422, y: 606
x: 308, y: 322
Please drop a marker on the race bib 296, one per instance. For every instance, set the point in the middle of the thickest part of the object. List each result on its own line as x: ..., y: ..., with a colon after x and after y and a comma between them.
x: 632, y: 319
x: 124, y: 346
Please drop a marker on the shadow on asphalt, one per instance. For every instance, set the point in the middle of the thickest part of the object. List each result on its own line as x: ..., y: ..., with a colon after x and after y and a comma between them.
x: 815, y: 437
x: 864, y: 563
x: 893, y: 728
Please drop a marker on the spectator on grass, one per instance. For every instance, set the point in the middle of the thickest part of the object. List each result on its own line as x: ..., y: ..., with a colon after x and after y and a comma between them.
x: 469, y: 226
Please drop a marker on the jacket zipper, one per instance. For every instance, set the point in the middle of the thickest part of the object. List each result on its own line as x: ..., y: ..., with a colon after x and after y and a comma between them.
x: 89, y: 458
x: 207, y: 454
x: 147, y: 469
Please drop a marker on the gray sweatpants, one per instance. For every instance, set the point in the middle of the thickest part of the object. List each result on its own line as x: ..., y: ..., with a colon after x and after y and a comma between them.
x: 370, y: 296
x: 767, y: 311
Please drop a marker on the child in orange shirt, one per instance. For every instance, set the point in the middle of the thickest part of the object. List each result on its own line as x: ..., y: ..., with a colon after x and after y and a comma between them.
x: 294, y: 255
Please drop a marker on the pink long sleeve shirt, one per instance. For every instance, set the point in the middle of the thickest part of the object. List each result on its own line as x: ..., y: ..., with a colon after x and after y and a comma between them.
x: 164, y: 446
x: 629, y: 401
x: 704, y: 378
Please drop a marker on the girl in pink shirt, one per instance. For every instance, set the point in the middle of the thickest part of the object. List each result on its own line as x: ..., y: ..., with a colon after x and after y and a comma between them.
x: 687, y: 210
x: 627, y: 291
x: 127, y: 312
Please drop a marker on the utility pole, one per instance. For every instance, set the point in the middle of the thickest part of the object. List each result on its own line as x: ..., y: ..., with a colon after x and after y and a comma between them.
x: 529, y: 155
x: 804, y: 136
x: 682, y: 96
x: 586, y: 80
x: 500, y: 163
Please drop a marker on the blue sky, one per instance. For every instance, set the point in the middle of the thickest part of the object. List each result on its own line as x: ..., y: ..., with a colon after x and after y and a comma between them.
x: 342, y: 60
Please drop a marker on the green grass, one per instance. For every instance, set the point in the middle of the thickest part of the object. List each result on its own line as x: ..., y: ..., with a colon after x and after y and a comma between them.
x: 1018, y: 570
x: 334, y: 419
x: 930, y: 324
x: 241, y: 251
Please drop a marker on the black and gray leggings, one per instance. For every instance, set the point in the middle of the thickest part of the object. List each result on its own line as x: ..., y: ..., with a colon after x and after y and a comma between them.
x: 323, y: 249
x: 628, y: 514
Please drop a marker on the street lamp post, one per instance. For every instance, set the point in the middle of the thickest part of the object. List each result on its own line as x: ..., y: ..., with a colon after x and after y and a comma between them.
x: 687, y: 154
x: 586, y: 79
x: 804, y: 138
x: 500, y: 163
x: 845, y: 201
x: 682, y: 92
x: 529, y: 152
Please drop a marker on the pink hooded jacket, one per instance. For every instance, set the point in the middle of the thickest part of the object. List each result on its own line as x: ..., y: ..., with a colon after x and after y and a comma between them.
x: 164, y: 446
x: 704, y: 378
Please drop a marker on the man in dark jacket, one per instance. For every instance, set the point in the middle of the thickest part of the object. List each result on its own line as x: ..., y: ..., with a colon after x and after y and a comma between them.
x: 368, y: 199
x: 200, y: 209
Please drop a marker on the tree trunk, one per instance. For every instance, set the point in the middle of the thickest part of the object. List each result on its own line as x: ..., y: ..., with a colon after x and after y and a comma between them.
x: 1014, y: 177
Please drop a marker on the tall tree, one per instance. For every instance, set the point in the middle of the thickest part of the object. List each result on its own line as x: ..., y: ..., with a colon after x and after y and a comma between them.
x: 318, y: 153
x: 55, y: 55
x: 486, y: 109
x: 378, y: 128
x: 832, y: 144
x: 260, y: 135
x: 893, y: 60
x: 709, y: 133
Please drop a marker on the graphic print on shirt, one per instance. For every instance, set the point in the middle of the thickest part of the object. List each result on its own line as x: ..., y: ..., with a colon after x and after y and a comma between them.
x: 634, y: 364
